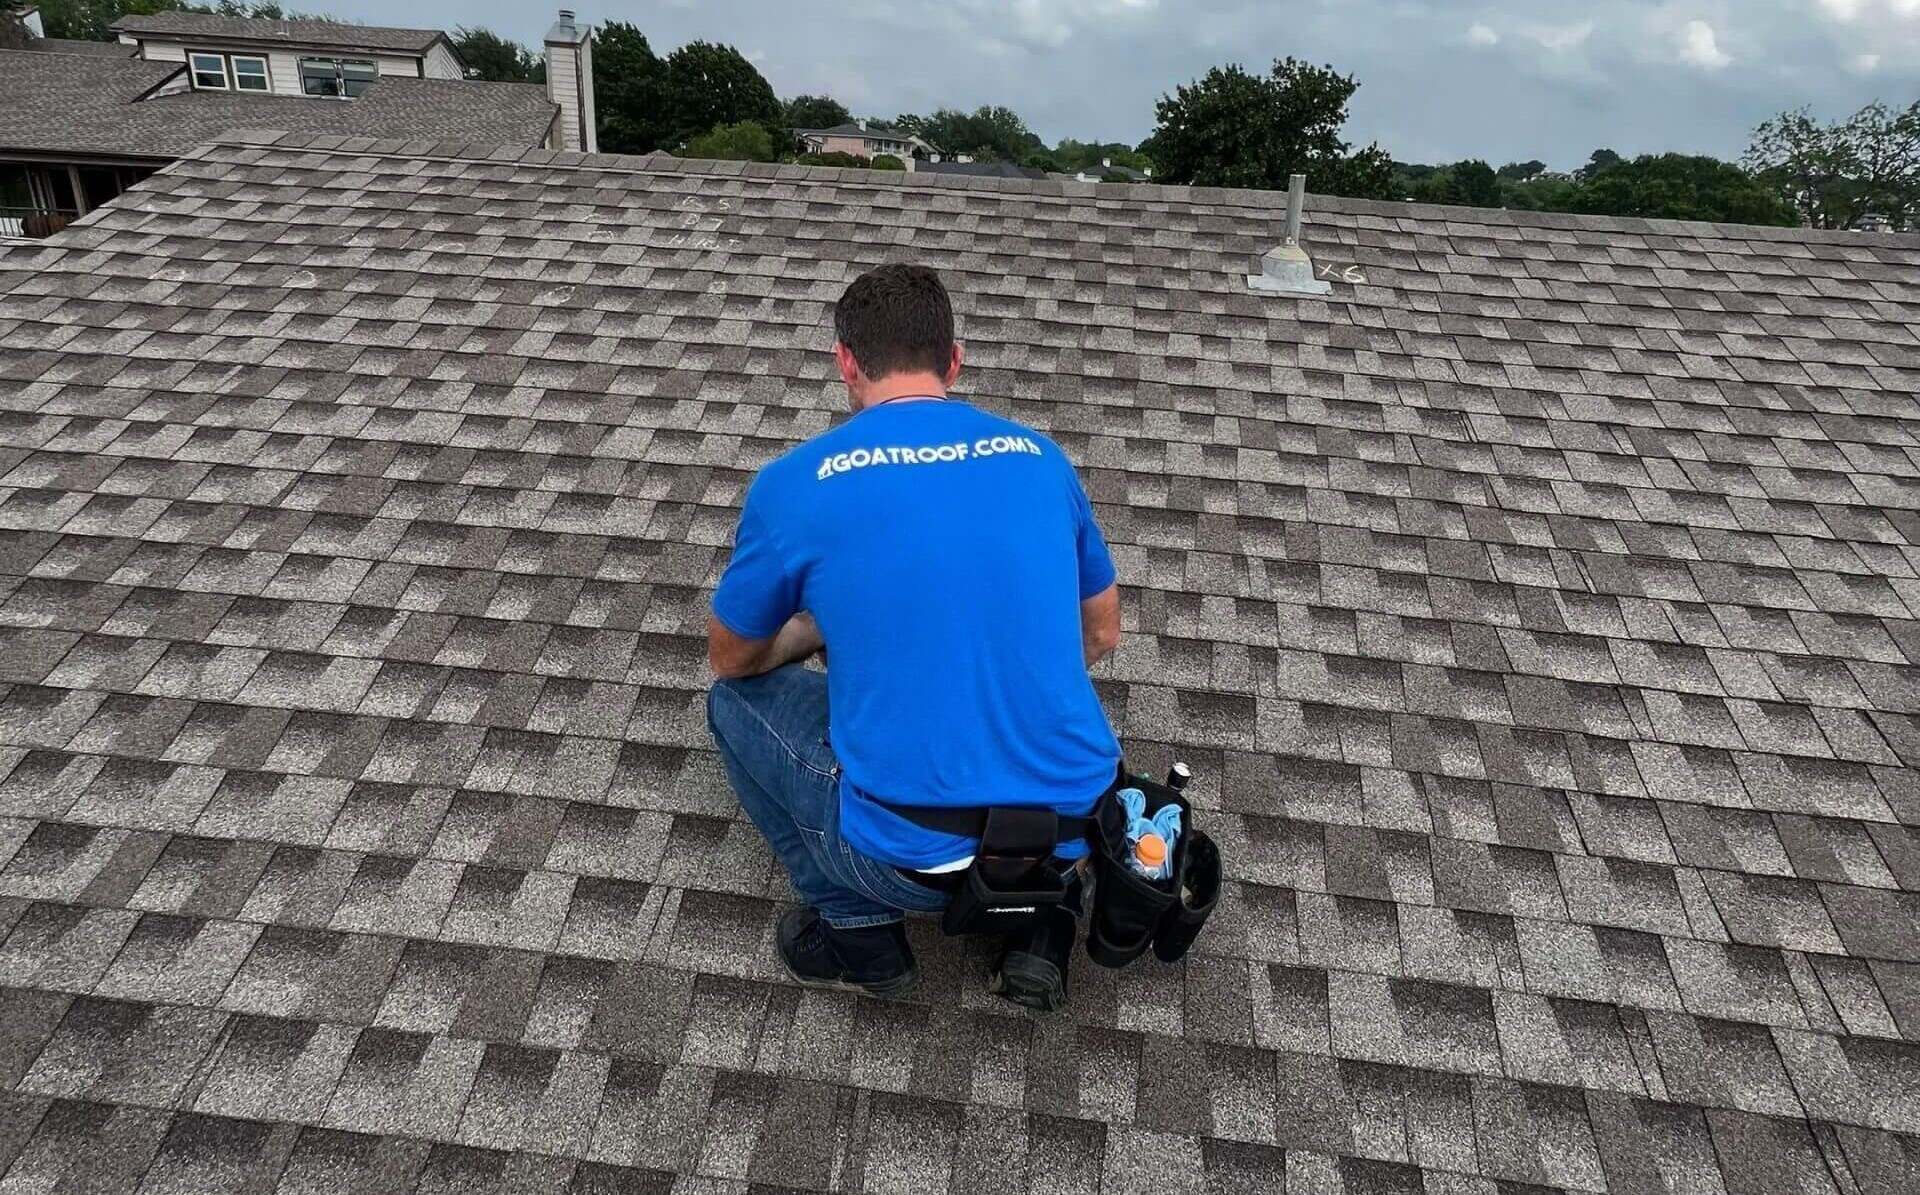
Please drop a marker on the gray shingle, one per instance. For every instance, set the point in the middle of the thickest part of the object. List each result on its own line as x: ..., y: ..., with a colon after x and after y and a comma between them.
x: 1539, y: 648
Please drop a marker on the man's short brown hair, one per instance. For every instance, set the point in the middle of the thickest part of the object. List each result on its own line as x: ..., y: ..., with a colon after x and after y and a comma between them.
x: 896, y: 319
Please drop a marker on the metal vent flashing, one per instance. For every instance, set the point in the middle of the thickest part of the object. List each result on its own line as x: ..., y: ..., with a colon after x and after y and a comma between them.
x: 1286, y: 269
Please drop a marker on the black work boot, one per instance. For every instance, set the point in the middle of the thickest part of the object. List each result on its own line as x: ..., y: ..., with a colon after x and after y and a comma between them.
x: 1033, y: 972
x: 875, y: 959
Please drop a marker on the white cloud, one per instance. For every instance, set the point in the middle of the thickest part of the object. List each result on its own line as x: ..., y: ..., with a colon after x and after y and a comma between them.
x: 1864, y: 64
x: 1052, y: 23
x: 1699, y: 47
x: 1483, y: 35
x: 1852, y: 10
x: 1560, y: 38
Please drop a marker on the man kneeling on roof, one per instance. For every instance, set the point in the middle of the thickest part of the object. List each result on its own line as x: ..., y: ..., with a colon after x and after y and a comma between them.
x: 950, y: 561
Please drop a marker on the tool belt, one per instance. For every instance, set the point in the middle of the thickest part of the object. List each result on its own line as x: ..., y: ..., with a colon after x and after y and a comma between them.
x: 1016, y: 875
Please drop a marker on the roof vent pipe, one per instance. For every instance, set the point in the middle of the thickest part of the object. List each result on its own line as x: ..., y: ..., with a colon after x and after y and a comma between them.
x: 1296, y: 206
x: 1286, y: 269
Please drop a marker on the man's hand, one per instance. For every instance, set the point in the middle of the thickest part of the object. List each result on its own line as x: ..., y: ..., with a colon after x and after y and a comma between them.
x: 732, y: 657
x: 1100, y: 624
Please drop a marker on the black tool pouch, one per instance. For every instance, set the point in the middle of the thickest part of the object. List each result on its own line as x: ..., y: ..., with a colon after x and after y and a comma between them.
x: 1014, y: 876
x: 1128, y: 908
x: 1198, y: 891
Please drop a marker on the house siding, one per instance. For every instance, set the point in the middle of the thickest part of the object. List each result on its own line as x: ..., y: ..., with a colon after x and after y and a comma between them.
x: 440, y: 63
x: 563, y: 88
x: 583, y: 87
x: 283, y: 65
x: 865, y: 147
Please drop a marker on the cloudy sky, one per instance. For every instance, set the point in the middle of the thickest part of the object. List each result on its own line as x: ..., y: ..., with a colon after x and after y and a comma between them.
x: 1440, y: 80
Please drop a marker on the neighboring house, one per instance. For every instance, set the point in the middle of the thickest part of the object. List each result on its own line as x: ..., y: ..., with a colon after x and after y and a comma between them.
x: 313, y: 58
x: 864, y: 142
x: 1540, y: 615
x: 1089, y: 175
x: 86, y: 120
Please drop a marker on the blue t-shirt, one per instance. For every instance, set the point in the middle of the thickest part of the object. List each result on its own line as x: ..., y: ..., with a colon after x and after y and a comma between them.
x: 944, y: 553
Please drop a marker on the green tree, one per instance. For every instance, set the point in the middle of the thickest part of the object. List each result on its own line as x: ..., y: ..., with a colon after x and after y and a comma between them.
x: 988, y: 133
x: 1680, y: 187
x: 1541, y: 193
x: 629, y: 85
x: 1833, y: 174
x: 494, y: 59
x: 87, y: 20
x: 743, y: 141
x: 90, y: 20
x: 1089, y: 155
x: 816, y: 112
x: 836, y: 158
x: 1520, y: 172
x: 1473, y: 184
x: 877, y: 162
x: 1234, y: 129
x: 1041, y: 159
x: 1601, y: 159
x: 708, y: 85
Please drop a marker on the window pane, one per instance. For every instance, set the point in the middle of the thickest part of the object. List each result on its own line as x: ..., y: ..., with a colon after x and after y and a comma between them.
x: 319, y: 76
x: 209, y: 71
x: 250, y: 74
x: 98, y: 184
x: 359, y: 76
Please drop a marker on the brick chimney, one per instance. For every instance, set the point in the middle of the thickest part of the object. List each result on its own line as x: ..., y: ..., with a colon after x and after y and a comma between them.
x: 570, y: 82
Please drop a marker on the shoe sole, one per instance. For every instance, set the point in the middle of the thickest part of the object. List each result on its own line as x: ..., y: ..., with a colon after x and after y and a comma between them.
x: 1031, y: 982
x: 885, y: 989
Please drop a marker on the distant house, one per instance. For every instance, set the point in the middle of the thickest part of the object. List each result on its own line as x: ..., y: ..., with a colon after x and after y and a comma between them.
x: 323, y: 59
x: 86, y: 120
x: 1090, y: 175
x: 857, y: 139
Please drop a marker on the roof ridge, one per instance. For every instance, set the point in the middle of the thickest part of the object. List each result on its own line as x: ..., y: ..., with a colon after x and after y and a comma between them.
x: 1275, y: 201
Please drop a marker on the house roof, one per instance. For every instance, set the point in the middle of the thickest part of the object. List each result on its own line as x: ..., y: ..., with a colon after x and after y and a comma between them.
x: 854, y: 130
x: 335, y: 34
x: 68, y: 45
x: 100, y: 106
x: 1538, y: 615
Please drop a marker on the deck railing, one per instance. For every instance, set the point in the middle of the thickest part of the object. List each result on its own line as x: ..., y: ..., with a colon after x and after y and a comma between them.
x: 34, y: 221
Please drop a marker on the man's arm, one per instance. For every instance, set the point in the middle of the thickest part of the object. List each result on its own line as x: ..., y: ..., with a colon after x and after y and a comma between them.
x: 1100, y: 624
x: 731, y: 656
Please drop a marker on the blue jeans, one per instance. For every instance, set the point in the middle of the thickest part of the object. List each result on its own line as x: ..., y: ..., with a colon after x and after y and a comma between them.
x: 772, y: 734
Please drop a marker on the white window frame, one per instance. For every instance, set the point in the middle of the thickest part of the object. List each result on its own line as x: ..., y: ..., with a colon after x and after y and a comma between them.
x: 229, y: 71
x: 265, y: 76
x: 194, y: 71
x: 339, y: 66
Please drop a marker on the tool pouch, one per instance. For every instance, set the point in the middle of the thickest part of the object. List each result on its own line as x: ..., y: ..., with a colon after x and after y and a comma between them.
x: 1199, y: 891
x: 1130, y: 910
x: 1014, y: 876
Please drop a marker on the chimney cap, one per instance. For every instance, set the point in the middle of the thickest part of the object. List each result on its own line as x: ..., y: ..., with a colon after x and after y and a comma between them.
x: 566, y: 32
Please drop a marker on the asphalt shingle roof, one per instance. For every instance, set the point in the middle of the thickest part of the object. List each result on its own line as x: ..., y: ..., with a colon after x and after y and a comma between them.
x: 97, y: 105
x: 295, y: 32
x: 1538, y: 615
x: 69, y: 45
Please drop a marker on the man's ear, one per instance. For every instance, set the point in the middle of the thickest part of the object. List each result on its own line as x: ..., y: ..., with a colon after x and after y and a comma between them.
x: 849, y: 367
x: 953, y: 365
